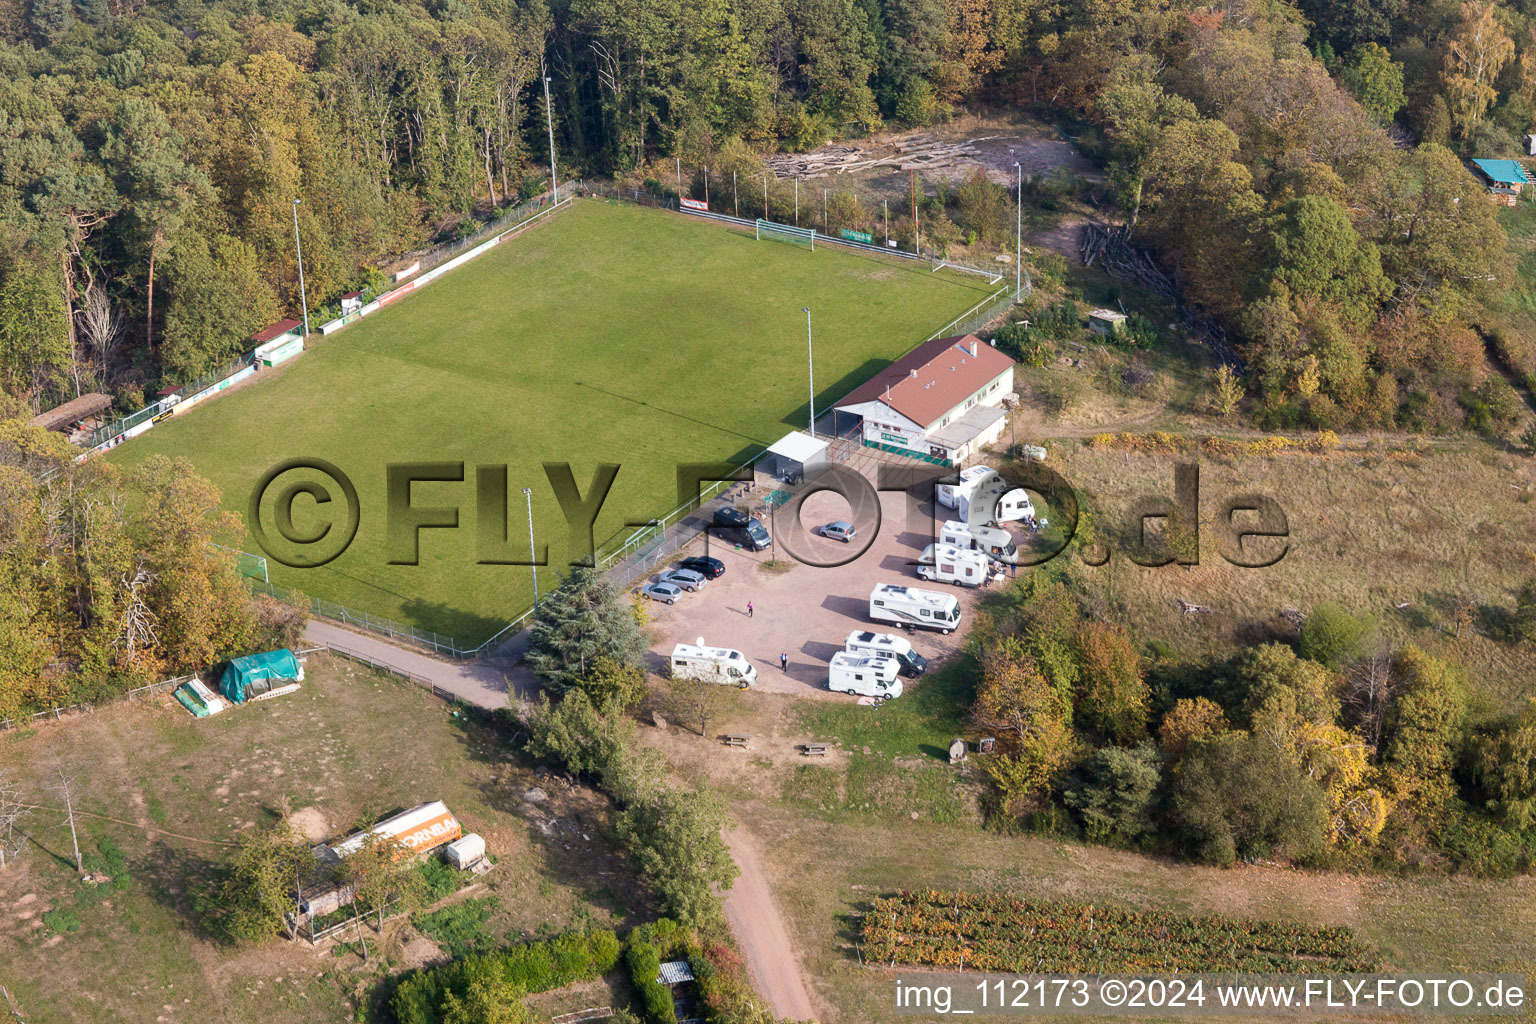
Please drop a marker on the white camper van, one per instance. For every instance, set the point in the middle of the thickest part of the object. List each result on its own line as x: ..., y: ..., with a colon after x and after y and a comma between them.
x: 950, y: 495
x: 908, y: 606
x: 864, y: 674
x: 946, y: 563
x: 993, y: 501
x: 712, y: 665
x: 989, y: 540
x: 885, y: 645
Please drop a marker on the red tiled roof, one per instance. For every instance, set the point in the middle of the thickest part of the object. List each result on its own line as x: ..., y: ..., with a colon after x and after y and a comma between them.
x: 946, y: 375
x: 277, y: 330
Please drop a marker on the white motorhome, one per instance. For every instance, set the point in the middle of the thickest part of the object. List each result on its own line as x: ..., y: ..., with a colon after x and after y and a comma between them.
x: 947, y: 563
x: 864, y: 674
x: 990, y: 540
x: 908, y: 606
x: 885, y: 645
x: 712, y: 665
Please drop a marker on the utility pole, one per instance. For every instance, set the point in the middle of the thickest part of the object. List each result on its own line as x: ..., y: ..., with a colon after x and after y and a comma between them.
x: 299, y: 248
x: 1018, y: 240
x: 885, y: 204
x: 549, y: 122
x: 679, y: 162
x: 765, y: 197
x: 917, y: 228
x: 826, y: 225
x: 735, y: 199
x: 706, y: 186
x: 797, y: 202
x: 533, y: 553
x: 810, y: 365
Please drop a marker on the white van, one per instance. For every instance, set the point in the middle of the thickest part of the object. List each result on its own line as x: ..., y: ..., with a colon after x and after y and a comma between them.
x: 712, y: 665
x: 885, y: 645
x: 949, y: 495
x: 946, y: 563
x: 908, y: 606
x: 864, y: 674
x: 995, y: 502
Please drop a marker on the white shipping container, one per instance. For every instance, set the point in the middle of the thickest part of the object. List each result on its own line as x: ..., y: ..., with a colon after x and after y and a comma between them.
x: 463, y: 853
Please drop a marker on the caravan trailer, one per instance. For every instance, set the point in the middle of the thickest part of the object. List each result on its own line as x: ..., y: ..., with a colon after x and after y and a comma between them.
x: 909, y: 607
x: 946, y: 563
x: 864, y: 674
x: 950, y: 495
x: 712, y: 665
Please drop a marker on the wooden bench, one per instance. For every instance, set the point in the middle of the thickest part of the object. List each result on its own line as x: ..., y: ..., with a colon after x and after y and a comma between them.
x: 736, y: 740
x: 813, y: 750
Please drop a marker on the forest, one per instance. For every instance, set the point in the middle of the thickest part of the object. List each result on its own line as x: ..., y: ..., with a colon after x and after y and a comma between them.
x: 1299, y: 169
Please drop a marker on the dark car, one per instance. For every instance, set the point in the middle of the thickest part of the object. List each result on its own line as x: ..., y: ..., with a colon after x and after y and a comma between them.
x: 731, y: 518
x: 709, y: 568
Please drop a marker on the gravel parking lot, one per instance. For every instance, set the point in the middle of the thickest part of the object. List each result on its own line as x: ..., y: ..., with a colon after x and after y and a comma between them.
x: 803, y: 610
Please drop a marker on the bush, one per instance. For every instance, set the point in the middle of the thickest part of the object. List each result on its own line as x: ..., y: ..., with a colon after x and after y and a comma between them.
x: 1332, y: 636
x: 1060, y: 393
x: 61, y: 921
x: 459, y: 929
x: 644, y: 962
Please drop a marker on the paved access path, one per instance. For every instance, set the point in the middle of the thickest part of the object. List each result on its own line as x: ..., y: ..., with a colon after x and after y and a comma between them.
x: 749, y: 907
x: 485, y: 683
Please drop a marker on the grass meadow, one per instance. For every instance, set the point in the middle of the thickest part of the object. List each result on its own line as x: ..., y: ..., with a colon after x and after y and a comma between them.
x: 170, y: 794
x: 606, y: 334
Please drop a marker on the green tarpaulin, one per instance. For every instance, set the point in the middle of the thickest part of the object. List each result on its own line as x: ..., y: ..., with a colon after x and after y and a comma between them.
x: 255, y: 674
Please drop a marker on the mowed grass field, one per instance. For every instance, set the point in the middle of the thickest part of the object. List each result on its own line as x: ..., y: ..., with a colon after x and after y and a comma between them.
x: 604, y: 334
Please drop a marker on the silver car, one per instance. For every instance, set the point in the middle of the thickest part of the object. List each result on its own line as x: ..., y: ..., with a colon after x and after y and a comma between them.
x: 842, y: 531
x: 685, y: 578
x: 667, y: 592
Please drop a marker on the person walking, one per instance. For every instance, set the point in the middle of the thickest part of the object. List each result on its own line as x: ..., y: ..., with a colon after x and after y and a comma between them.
x: 749, y: 609
x: 784, y: 661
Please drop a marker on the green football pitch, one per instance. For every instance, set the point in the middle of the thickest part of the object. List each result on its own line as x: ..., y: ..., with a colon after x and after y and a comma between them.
x: 604, y: 334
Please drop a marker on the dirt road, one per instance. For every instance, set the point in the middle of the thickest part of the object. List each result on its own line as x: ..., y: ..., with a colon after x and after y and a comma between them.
x: 755, y: 920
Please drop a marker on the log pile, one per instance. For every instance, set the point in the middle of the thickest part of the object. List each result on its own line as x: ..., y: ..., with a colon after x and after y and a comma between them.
x: 921, y: 152
x: 1112, y: 249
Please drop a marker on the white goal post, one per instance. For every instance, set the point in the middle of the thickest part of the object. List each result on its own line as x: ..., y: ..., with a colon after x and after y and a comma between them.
x: 786, y: 233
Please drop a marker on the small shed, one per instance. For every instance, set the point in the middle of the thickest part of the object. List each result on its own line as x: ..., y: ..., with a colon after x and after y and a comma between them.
x: 351, y: 303
x: 1106, y: 321
x: 73, y: 414
x: 794, y: 457
x: 1504, y: 179
x: 258, y: 675
x: 1528, y: 143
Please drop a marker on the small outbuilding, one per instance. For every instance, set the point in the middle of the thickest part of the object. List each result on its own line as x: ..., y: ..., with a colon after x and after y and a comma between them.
x: 278, y: 342
x: 1528, y: 143
x: 83, y: 413
x: 1106, y: 321
x: 794, y: 457
x: 1505, y: 179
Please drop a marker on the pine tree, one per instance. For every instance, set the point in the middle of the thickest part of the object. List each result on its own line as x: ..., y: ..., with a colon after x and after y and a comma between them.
x: 583, y: 621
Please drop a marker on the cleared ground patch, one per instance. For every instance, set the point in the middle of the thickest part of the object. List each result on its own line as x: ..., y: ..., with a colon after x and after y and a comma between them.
x: 605, y: 334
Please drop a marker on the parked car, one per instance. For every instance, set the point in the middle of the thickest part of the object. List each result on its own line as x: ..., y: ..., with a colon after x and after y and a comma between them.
x: 709, y: 568
x: 665, y: 592
x: 685, y: 578
x: 731, y: 518
x: 756, y: 536
x: 840, y: 530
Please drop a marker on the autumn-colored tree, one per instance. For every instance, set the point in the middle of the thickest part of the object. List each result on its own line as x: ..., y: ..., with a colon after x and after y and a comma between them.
x: 1477, y: 51
x: 1190, y: 719
x: 1111, y: 696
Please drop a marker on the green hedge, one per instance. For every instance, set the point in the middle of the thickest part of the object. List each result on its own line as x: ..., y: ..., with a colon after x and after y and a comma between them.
x: 644, y: 962
x: 532, y: 967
